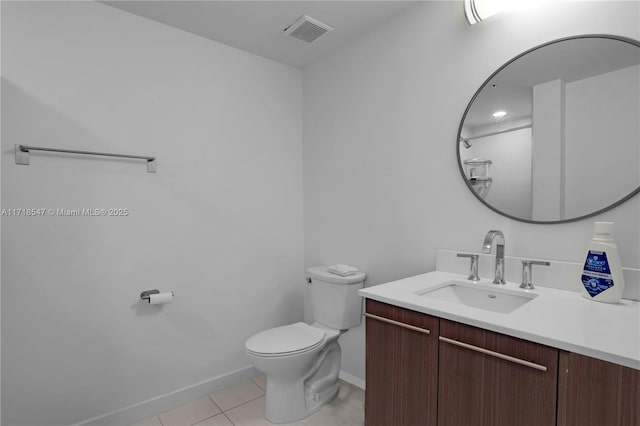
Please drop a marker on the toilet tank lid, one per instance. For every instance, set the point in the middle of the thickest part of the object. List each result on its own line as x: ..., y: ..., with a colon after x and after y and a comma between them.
x: 322, y: 273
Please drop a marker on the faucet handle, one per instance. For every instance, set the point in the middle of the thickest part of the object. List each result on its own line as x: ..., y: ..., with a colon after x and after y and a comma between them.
x: 527, y: 279
x: 473, y: 270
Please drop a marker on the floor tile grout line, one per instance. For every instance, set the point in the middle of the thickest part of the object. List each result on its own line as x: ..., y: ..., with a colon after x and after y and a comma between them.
x: 214, y: 403
x: 224, y: 412
x: 256, y: 383
x: 192, y: 424
x: 250, y: 380
x: 246, y: 402
x: 210, y: 417
x: 227, y: 417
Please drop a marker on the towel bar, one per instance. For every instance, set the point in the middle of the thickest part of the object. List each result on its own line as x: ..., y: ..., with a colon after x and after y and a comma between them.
x: 22, y: 155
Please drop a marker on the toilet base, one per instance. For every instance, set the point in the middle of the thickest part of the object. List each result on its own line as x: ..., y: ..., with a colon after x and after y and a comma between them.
x: 289, y: 402
x: 279, y: 409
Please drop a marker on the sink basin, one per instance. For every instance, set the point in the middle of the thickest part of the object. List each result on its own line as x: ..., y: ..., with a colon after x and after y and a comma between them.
x: 496, y: 299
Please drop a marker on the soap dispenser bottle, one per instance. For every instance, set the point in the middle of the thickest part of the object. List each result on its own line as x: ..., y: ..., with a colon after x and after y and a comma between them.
x: 601, y: 276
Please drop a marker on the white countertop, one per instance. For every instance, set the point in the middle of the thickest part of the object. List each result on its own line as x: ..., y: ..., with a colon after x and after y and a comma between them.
x: 558, y: 318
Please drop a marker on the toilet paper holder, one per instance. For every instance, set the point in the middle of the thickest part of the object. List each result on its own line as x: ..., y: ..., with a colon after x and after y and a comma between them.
x: 145, y: 295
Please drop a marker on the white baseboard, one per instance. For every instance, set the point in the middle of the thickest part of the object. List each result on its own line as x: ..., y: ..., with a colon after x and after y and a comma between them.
x: 161, y: 403
x: 349, y: 378
x: 158, y: 404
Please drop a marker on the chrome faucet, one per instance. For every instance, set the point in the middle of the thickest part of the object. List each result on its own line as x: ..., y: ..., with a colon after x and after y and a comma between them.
x: 527, y: 280
x: 498, y: 237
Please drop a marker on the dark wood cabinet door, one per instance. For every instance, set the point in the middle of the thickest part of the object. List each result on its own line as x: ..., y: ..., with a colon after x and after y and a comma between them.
x: 401, y: 367
x: 494, y: 380
x: 592, y: 392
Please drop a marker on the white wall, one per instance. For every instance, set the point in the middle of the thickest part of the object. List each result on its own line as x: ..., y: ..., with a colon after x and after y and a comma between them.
x: 382, y: 188
x: 220, y: 224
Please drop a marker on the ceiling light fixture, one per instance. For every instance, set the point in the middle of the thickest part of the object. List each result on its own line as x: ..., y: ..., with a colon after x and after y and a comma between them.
x: 499, y: 114
x: 479, y: 10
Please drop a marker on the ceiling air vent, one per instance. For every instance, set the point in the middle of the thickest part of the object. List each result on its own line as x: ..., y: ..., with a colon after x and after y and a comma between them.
x: 306, y: 29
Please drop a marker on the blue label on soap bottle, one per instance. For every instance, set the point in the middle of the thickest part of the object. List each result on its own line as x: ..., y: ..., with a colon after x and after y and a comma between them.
x: 596, y: 275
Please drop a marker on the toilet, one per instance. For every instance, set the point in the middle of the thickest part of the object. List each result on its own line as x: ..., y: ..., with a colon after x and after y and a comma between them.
x: 301, y: 362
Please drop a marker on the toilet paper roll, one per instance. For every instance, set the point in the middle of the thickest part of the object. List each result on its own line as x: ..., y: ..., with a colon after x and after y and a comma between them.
x: 160, y: 298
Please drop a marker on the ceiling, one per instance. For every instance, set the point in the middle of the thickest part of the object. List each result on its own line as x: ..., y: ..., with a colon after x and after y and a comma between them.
x: 256, y: 26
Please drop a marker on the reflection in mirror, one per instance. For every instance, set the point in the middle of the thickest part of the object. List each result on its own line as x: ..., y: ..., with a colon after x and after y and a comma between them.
x: 554, y: 135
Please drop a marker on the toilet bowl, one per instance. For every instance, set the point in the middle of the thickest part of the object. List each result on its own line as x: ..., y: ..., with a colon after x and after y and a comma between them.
x: 301, y: 362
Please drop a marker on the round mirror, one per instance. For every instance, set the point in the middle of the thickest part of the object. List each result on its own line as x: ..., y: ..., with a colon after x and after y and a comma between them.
x: 554, y: 134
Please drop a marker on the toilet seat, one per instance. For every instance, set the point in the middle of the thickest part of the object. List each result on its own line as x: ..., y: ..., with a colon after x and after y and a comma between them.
x: 286, y: 340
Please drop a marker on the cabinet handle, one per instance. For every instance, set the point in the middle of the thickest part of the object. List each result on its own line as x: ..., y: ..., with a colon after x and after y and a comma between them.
x: 399, y: 324
x: 494, y: 354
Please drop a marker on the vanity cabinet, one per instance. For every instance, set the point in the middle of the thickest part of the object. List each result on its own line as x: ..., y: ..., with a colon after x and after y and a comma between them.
x: 593, y: 392
x: 490, y: 379
x: 401, y: 366
x: 423, y: 371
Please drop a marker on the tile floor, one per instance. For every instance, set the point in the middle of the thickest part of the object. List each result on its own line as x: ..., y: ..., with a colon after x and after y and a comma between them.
x: 243, y: 405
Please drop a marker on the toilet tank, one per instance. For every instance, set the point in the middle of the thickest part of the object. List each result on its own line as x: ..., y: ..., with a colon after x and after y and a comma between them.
x: 334, y: 299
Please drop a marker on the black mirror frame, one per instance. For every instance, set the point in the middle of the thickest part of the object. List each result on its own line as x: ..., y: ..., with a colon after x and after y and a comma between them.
x: 484, y: 84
